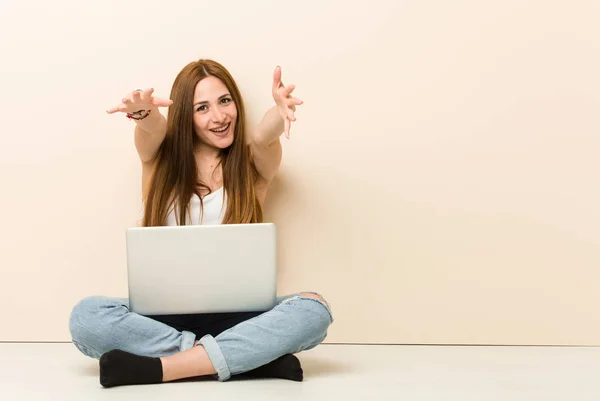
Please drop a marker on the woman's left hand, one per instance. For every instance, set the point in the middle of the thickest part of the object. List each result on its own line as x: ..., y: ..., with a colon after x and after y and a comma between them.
x: 286, y: 104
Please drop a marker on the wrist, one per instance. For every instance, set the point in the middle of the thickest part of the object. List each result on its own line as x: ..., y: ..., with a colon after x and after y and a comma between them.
x: 155, y: 122
x: 139, y: 115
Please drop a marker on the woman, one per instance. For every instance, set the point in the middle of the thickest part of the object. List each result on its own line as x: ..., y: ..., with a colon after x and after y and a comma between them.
x: 199, y: 166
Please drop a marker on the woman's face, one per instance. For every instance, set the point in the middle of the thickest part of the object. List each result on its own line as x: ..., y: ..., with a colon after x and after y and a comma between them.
x: 215, y: 113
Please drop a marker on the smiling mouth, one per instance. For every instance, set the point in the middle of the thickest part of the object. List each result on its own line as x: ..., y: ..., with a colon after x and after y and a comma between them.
x: 220, y: 130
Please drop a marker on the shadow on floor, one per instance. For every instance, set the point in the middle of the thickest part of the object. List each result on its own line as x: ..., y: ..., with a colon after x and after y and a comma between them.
x: 314, y: 366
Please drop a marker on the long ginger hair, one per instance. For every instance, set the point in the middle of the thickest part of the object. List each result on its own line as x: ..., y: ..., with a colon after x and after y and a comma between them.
x: 175, y: 176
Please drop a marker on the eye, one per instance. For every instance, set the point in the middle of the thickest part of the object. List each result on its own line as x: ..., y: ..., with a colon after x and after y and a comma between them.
x: 202, y: 108
x: 225, y: 100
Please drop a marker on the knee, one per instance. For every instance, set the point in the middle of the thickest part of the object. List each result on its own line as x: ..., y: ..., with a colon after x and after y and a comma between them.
x: 87, y: 319
x: 314, y: 295
x: 316, y: 298
x: 81, y: 314
x: 313, y: 319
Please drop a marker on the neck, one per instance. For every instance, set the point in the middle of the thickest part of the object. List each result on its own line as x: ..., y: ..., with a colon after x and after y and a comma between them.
x: 207, y: 155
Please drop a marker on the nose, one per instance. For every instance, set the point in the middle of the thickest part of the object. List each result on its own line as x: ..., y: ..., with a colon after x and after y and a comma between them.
x: 217, y: 115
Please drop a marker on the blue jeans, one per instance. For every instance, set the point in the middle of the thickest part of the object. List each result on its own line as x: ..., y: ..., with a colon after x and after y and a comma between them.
x: 297, y: 323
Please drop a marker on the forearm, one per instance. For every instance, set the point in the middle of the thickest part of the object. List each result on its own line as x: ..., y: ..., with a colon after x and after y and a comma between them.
x: 270, y: 128
x: 154, y: 125
x: 149, y: 135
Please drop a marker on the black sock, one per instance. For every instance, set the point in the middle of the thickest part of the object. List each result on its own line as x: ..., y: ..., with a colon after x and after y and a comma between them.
x: 286, y: 367
x: 119, y: 368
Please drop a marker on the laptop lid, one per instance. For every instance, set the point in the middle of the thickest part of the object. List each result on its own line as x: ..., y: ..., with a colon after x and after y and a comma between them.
x: 201, y: 268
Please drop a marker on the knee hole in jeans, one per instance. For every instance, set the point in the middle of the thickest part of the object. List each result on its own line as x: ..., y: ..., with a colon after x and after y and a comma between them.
x: 313, y: 295
x: 318, y: 298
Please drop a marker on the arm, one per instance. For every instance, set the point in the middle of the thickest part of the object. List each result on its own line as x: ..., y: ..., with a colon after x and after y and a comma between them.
x: 265, y: 143
x: 151, y: 130
x: 149, y: 134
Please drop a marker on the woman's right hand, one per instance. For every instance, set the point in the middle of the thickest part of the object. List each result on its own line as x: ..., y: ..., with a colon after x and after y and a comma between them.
x: 140, y: 100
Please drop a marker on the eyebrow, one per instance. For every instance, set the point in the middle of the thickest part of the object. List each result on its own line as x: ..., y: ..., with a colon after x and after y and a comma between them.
x: 206, y: 101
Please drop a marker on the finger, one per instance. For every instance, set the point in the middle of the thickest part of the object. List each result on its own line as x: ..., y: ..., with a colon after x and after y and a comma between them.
x: 115, y: 109
x: 126, y: 100
x: 290, y: 115
x: 286, y: 127
x: 146, y: 95
x: 289, y: 112
x: 160, y: 102
x: 136, y: 96
x: 277, y: 78
x: 294, y: 101
x: 289, y: 89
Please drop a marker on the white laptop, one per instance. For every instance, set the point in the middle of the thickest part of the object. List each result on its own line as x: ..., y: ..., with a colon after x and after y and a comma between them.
x: 201, y: 268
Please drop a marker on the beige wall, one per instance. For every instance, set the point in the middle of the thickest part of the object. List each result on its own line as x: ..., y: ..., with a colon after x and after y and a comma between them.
x: 440, y: 185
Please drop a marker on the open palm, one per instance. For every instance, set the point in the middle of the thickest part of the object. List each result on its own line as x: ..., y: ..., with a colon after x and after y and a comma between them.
x: 286, y: 104
x: 139, y: 100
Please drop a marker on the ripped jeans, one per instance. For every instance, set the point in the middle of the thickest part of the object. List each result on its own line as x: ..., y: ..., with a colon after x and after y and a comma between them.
x: 235, y: 342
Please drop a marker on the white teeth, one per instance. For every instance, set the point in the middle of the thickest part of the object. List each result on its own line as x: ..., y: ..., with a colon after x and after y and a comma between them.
x: 220, y: 129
